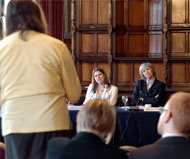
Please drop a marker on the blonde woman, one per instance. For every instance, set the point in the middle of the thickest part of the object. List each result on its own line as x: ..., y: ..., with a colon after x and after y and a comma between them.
x: 148, y: 90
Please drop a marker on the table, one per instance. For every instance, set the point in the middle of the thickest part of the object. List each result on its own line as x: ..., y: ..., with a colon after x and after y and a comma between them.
x: 136, y: 128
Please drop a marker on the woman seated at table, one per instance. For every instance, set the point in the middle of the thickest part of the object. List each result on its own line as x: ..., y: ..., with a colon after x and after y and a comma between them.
x: 100, y: 88
x: 148, y: 90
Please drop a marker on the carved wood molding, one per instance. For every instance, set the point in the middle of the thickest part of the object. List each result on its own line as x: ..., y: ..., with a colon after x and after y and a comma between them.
x: 165, y: 41
x: 110, y: 30
x: 73, y: 30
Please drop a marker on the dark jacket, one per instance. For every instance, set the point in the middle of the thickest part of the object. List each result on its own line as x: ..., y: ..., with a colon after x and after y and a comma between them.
x: 155, y: 95
x: 83, y: 146
x: 164, y: 148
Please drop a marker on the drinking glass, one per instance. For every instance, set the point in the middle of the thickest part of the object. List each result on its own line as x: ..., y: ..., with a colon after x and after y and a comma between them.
x: 124, y: 99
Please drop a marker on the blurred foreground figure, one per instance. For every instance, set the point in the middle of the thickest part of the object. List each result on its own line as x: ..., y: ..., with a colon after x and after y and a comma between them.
x: 95, y: 122
x: 37, y: 74
x: 174, y: 126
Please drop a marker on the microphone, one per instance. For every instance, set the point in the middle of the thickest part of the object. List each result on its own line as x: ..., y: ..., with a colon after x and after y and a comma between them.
x: 106, y: 86
x: 106, y: 90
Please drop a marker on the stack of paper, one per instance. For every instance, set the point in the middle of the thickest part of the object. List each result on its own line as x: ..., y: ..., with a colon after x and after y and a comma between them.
x: 74, y: 107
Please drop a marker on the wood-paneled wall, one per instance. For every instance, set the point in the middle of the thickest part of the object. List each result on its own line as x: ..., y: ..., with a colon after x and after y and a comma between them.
x: 119, y: 35
x: 135, y: 30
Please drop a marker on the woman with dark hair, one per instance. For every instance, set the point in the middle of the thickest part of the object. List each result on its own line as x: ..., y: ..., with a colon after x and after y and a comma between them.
x: 148, y: 90
x: 37, y: 73
x: 100, y: 88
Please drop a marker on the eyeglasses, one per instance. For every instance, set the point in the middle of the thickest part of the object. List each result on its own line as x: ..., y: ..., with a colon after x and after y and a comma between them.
x: 162, y: 109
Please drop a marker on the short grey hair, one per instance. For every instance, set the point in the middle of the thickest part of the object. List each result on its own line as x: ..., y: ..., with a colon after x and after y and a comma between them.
x: 142, y: 67
x: 97, y: 115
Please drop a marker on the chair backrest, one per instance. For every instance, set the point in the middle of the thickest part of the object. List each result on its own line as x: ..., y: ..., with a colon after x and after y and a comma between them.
x: 2, y: 150
x: 127, y: 148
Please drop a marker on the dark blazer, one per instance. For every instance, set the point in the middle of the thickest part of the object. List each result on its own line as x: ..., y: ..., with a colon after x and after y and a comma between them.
x: 155, y: 95
x: 164, y: 148
x: 82, y: 146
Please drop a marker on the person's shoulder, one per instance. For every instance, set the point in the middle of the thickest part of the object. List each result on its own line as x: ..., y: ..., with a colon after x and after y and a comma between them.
x: 160, y: 82
x: 57, y: 144
x: 139, y: 82
x: 14, y: 37
x: 143, y: 151
x: 49, y: 38
x: 90, y: 86
x: 113, y: 86
x: 58, y: 141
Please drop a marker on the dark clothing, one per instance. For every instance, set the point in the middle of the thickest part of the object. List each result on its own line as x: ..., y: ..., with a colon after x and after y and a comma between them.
x: 155, y: 95
x: 82, y: 146
x: 164, y: 148
x: 30, y: 145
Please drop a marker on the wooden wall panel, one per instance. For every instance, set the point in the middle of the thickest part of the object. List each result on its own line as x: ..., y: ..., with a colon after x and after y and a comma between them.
x: 120, y: 45
x: 155, y: 43
x: 123, y: 73
x: 140, y: 31
x: 102, y: 12
x: 136, y: 72
x: 155, y: 12
x: 136, y: 44
x: 88, y: 42
x: 86, y: 72
x: 178, y: 9
x: 136, y: 12
x: 159, y: 67
x: 189, y: 14
x: 188, y: 42
x: 104, y: 66
x: 88, y: 12
x: 120, y: 12
x: 178, y: 42
x: 178, y: 73
x: 102, y: 43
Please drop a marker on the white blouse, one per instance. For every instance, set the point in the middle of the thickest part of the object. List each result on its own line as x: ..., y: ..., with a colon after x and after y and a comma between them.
x: 110, y: 94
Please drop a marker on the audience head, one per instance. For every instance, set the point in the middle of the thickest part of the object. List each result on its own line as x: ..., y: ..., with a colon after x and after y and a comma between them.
x: 175, y: 117
x: 97, y: 116
x: 146, y: 65
x: 23, y: 15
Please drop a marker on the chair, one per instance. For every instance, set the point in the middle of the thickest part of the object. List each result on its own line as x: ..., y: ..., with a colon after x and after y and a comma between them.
x: 127, y: 148
x: 2, y: 150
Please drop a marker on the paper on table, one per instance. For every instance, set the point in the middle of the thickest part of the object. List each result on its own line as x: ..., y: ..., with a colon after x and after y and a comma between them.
x: 74, y: 107
x: 132, y: 107
x: 156, y: 109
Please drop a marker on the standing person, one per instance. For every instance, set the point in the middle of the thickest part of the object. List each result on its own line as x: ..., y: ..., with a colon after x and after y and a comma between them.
x: 95, y: 122
x: 148, y: 90
x: 174, y: 126
x: 37, y: 74
x: 101, y: 88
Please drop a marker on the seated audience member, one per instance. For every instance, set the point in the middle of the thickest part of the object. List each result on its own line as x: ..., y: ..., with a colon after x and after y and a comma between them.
x: 174, y: 126
x: 100, y: 88
x: 148, y: 90
x: 95, y: 122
